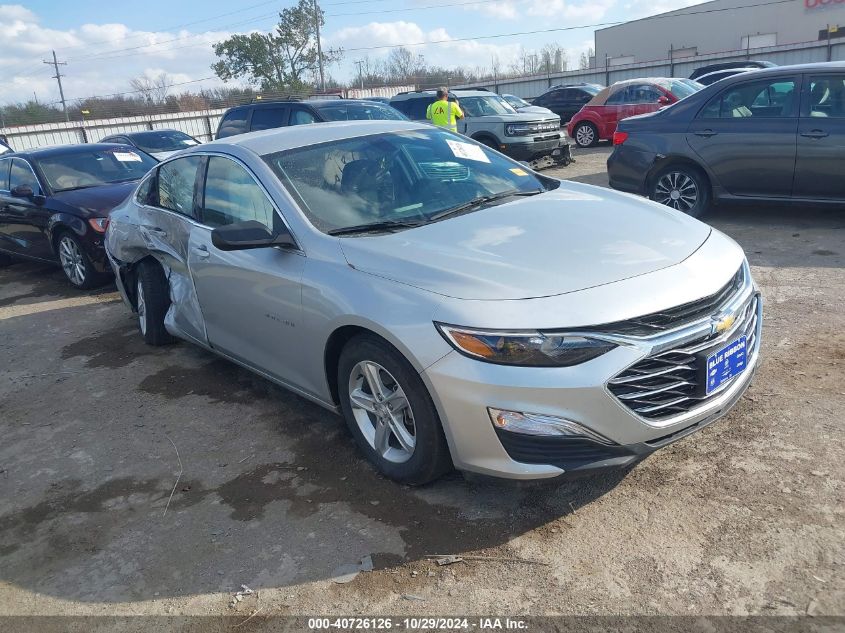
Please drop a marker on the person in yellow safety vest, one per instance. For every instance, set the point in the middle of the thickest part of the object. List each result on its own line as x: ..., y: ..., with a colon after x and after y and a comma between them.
x: 444, y: 113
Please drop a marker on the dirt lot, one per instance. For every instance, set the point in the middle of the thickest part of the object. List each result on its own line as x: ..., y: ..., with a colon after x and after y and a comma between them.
x: 747, y: 516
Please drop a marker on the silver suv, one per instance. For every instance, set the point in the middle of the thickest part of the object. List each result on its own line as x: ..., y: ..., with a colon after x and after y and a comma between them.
x: 491, y: 120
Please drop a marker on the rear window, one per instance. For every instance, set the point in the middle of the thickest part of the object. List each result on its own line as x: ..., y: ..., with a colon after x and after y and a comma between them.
x: 268, y: 118
x: 678, y: 88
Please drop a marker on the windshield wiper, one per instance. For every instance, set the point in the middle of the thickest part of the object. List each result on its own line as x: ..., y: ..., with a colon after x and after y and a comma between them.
x: 373, y: 227
x: 480, y: 200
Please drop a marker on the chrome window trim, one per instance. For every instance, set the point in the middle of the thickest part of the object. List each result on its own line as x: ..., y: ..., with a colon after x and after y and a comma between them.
x: 31, y: 170
x: 295, y: 249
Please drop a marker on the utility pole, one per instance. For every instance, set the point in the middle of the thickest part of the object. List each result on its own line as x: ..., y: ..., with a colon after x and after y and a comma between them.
x: 58, y: 77
x: 319, y: 46
x: 360, y: 64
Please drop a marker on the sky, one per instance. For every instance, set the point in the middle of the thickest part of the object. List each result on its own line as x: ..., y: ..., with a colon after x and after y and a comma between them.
x: 107, y: 43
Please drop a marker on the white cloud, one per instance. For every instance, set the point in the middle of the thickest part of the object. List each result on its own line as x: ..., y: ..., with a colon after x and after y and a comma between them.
x: 98, y: 62
x: 563, y: 9
x: 467, y: 54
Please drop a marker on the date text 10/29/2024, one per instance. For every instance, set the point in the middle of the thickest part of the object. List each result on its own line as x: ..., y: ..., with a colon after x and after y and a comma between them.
x: 421, y: 623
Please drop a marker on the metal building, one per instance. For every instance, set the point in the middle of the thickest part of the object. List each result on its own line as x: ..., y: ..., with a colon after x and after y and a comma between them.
x: 719, y: 26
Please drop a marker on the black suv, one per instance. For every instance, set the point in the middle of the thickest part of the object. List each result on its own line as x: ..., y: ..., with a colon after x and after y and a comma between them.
x: 566, y: 100
x: 272, y: 114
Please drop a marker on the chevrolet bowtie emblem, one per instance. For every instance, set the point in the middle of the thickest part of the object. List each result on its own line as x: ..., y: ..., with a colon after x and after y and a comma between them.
x: 723, y: 323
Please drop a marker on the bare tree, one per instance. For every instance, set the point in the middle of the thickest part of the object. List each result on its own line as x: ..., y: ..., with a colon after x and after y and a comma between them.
x: 403, y: 65
x: 152, y: 89
x: 584, y: 62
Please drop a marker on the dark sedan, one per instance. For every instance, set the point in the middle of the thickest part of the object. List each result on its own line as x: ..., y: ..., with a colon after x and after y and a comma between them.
x: 771, y: 135
x: 55, y: 203
x: 159, y: 144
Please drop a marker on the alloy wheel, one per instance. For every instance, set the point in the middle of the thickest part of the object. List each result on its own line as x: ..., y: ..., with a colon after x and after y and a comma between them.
x: 585, y: 135
x: 382, y: 412
x: 678, y: 190
x: 72, y: 260
x: 142, y: 308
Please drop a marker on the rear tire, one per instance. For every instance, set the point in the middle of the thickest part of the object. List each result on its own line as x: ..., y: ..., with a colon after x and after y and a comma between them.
x: 152, y: 300
x: 586, y: 135
x: 394, y: 423
x: 683, y: 188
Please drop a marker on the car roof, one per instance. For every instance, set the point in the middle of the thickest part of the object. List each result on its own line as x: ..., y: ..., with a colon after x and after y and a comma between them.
x: 269, y: 103
x: 801, y: 68
x: 433, y: 93
x: 64, y: 150
x: 141, y: 132
x: 283, y: 138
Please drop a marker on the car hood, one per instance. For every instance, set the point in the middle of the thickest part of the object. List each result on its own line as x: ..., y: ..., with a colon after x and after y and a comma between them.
x: 532, y: 109
x: 570, y: 239
x: 97, y: 201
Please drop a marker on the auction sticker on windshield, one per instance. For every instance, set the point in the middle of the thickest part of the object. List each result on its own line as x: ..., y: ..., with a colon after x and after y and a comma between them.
x: 726, y: 363
x: 467, y: 150
x: 127, y: 157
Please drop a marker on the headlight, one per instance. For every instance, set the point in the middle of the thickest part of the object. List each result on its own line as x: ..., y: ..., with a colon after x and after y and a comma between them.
x: 529, y: 349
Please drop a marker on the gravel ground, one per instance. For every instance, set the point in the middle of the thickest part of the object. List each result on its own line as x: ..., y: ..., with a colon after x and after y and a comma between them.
x: 744, y: 517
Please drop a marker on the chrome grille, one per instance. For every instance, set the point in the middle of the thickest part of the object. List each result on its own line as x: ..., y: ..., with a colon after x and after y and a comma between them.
x: 671, y: 382
x: 679, y: 315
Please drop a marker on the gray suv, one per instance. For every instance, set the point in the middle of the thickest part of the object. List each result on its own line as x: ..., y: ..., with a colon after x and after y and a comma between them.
x: 491, y: 120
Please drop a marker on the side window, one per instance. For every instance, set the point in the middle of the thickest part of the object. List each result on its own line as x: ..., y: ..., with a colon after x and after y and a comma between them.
x: 21, y: 174
x: 4, y: 174
x: 301, y: 117
x: 233, y: 123
x: 581, y: 96
x: 642, y: 93
x: 417, y: 108
x: 401, y: 106
x: 232, y: 195
x: 144, y: 195
x: 618, y: 97
x: 176, y: 181
x: 268, y: 118
x: 756, y: 99
x: 826, y: 97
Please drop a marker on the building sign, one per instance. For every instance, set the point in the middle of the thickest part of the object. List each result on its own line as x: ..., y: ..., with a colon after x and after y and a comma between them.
x: 814, y: 4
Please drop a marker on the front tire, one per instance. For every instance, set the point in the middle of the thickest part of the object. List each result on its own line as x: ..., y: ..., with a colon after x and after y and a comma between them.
x: 152, y: 301
x: 390, y: 412
x: 76, y: 264
x: 683, y: 188
x: 586, y: 135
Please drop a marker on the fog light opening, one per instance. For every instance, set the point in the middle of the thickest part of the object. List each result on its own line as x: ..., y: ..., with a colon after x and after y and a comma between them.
x: 540, y: 424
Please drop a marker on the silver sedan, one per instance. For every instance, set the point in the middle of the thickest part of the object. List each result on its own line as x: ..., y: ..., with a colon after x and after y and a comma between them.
x: 455, y: 307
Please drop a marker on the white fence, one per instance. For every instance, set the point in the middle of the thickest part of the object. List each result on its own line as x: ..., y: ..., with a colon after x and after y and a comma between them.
x: 201, y: 124
x: 531, y: 86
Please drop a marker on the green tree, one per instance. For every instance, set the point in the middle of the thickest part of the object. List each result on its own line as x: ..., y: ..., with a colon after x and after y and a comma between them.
x: 284, y: 59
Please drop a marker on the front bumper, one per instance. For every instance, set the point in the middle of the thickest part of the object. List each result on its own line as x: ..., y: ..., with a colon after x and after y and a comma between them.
x: 527, y: 148
x: 464, y: 388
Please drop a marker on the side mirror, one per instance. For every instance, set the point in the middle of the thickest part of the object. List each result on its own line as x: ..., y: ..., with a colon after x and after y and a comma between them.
x: 664, y: 100
x: 22, y: 191
x: 250, y: 234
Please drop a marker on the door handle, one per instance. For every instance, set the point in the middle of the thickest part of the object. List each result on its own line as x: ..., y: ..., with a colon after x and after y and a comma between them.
x: 201, y: 251
x: 814, y: 134
x: 705, y: 133
x: 155, y: 230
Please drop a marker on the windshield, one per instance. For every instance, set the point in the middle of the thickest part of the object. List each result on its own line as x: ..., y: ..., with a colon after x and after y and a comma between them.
x: 516, y: 102
x: 485, y: 106
x: 678, y: 88
x: 78, y: 170
x: 363, y: 111
x: 163, y: 141
x: 407, y: 177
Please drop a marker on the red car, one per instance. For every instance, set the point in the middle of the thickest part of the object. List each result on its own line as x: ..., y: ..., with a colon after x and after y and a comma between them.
x: 597, y: 120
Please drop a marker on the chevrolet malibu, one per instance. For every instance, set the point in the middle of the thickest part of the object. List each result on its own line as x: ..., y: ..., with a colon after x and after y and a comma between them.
x: 455, y: 307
